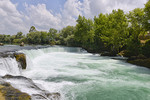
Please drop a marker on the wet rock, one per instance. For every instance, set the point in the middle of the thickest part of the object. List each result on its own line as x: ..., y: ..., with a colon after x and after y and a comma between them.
x: 51, y: 96
x: 7, y: 92
x: 1, y: 44
x: 22, y: 44
x: 108, y: 54
x: 124, y: 53
x: 28, y: 85
x: 38, y: 97
x: 140, y: 62
x: 21, y: 59
x: 7, y: 54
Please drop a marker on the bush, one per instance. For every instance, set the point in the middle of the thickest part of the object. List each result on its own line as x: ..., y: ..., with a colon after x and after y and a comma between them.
x: 146, y: 48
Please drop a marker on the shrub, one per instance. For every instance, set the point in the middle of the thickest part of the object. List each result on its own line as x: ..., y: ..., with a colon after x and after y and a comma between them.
x: 146, y: 48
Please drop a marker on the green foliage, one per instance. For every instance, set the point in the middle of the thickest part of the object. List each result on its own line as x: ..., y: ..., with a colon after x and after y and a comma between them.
x: 84, y: 30
x: 115, y: 31
x: 32, y: 29
x: 19, y: 35
x: 111, y: 32
x: 66, y: 36
x: 147, y: 15
x: 135, y: 19
x: 146, y: 48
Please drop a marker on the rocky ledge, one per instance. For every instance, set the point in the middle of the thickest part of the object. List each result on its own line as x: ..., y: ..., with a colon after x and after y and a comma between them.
x: 139, y: 60
x: 20, y: 58
x: 13, y: 90
x: 7, y: 92
x: 20, y: 87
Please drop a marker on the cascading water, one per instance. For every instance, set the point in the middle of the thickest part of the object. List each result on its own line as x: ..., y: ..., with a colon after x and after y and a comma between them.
x: 79, y: 75
x: 9, y: 66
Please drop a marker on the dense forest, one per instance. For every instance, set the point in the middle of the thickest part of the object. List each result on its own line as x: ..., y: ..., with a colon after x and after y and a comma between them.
x: 112, y: 32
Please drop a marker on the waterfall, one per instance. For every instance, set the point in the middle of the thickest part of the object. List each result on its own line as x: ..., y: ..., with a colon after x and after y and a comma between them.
x: 9, y: 66
x: 77, y: 75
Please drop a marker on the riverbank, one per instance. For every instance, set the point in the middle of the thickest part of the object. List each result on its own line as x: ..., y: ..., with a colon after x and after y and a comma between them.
x: 66, y: 72
x: 8, y: 90
x: 139, y: 60
x: 136, y: 60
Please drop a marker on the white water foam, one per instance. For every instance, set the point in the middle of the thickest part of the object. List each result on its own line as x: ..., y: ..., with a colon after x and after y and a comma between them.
x: 80, y: 75
x: 9, y: 66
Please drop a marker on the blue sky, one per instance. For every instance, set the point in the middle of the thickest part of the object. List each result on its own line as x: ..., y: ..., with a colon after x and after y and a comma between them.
x: 54, y: 5
x: 20, y: 15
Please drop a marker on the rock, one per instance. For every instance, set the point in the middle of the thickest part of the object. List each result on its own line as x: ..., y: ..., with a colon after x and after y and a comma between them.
x: 21, y: 59
x: 124, y: 53
x: 108, y: 54
x: 31, y: 86
x: 7, y: 92
x: 140, y: 56
x: 22, y: 44
x: 1, y: 44
x: 7, y: 54
x: 140, y: 62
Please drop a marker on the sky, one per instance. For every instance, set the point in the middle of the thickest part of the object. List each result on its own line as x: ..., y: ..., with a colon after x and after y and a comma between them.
x: 20, y: 15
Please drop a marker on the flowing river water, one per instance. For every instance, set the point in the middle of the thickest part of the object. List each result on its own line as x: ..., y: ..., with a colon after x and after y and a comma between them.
x: 78, y: 75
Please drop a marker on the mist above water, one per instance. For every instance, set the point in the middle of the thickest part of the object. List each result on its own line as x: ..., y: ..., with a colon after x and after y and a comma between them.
x: 79, y: 75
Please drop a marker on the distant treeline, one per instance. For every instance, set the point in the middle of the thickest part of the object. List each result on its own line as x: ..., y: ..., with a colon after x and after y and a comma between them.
x: 113, y: 32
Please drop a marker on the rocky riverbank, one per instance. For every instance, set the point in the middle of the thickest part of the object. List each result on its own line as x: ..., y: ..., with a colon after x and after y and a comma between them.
x: 20, y: 87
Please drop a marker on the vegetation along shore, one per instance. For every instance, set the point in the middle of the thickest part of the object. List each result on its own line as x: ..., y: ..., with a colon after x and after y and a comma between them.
x: 110, y: 34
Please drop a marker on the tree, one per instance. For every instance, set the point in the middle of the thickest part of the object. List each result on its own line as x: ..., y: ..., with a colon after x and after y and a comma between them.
x: 135, y: 19
x: 100, y: 25
x: 147, y: 15
x: 32, y: 29
x: 34, y: 37
x: 84, y: 31
x: 44, y: 37
x: 52, y: 34
x: 66, y: 36
x: 115, y: 33
x: 19, y: 35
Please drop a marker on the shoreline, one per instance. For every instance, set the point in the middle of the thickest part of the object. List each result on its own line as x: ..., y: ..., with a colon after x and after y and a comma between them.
x: 12, y: 52
x: 139, y: 61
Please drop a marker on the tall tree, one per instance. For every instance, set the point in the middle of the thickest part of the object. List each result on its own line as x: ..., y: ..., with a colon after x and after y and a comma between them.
x: 135, y: 18
x: 147, y: 15
x: 84, y: 30
x: 32, y: 29
x: 100, y: 24
x: 115, y: 33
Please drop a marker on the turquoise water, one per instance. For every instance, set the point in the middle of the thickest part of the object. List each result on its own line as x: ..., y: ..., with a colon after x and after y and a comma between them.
x: 79, y: 75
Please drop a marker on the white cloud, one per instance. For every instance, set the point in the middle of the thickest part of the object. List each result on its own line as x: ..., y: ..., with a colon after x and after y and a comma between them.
x: 106, y: 6
x: 40, y: 17
x: 12, y: 20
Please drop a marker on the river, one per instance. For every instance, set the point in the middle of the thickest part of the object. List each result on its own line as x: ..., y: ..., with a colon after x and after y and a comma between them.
x: 78, y: 75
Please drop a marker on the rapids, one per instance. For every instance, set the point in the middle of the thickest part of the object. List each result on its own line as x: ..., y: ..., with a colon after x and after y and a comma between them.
x: 78, y: 75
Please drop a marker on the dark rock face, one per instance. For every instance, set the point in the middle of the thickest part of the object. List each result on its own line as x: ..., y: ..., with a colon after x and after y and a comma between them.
x: 139, y: 60
x: 22, y: 44
x: 108, y: 54
x: 10, y: 93
x: 21, y: 59
x: 1, y: 44
x: 30, y: 85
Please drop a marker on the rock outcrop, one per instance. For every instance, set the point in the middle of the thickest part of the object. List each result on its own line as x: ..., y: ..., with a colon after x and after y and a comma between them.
x: 21, y: 59
x: 22, y: 44
x: 1, y: 44
x: 29, y: 85
x: 7, y: 92
x: 139, y: 60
